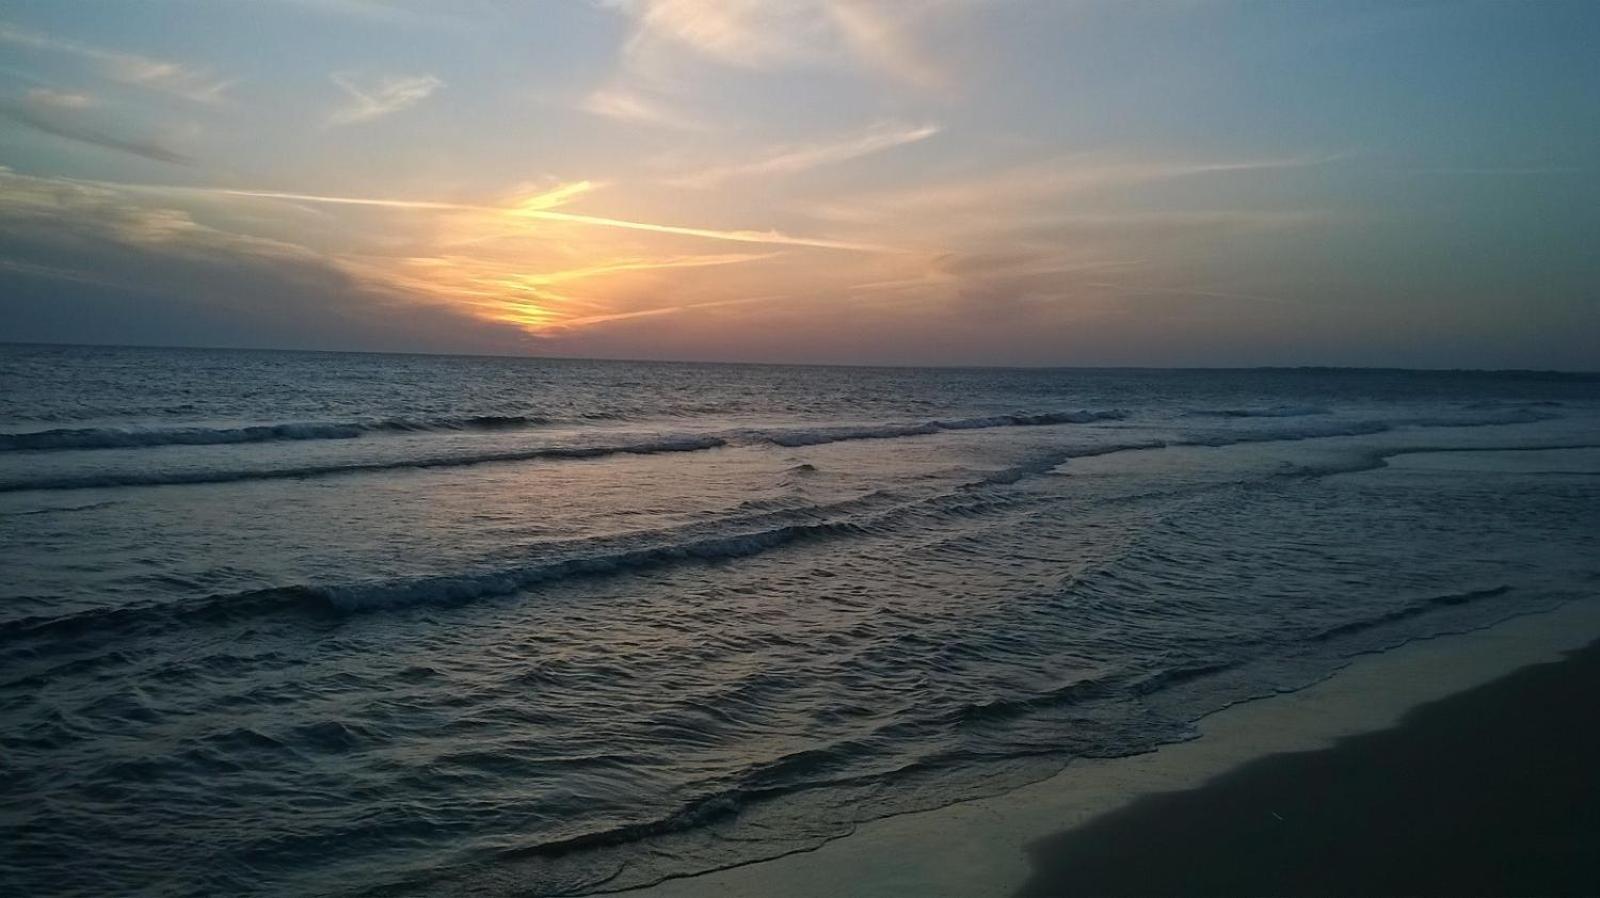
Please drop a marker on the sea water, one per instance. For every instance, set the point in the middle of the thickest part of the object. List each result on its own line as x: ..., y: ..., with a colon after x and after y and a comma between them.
x: 279, y: 623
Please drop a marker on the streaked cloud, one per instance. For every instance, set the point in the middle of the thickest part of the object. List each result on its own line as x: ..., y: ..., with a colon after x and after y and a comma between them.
x: 57, y: 115
x: 791, y: 160
x: 881, y: 40
x: 591, y: 320
x: 901, y: 180
x: 127, y: 68
x: 1042, y: 182
x: 379, y: 11
x: 524, y: 262
x: 757, y: 34
x: 742, y: 33
x: 774, y: 237
x: 1199, y: 292
x: 667, y: 63
x: 53, y: 273
x: 539, y: 208
x: 143, y: 269
x: 373, y: 98
x: 1510, y: 170
x: 633, y: 106
x: 60, y: 99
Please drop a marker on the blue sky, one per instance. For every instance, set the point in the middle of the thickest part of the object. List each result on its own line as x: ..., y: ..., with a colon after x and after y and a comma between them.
x: 901, y: 181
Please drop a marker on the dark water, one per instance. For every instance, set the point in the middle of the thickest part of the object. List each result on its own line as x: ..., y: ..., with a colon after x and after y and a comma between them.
x: 287, y: 624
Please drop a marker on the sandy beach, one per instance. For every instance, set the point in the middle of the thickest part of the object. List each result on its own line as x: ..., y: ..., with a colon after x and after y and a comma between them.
x: 1492, y: 791
x: 1457, y: 765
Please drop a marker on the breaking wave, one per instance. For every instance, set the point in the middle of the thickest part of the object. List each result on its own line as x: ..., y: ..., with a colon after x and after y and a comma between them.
x: 174, y: 478
x: 797, y: 437
x: 788, y: 438
x: 1275, y: 411
x: 792, y: 438
x: 135, y: 438
x: 139, y: 438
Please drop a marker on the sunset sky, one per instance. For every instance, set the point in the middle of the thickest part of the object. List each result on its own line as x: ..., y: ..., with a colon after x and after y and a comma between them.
x: 897, y: 182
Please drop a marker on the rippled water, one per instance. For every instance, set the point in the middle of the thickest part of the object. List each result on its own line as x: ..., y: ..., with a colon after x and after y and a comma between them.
x: 285, y: 624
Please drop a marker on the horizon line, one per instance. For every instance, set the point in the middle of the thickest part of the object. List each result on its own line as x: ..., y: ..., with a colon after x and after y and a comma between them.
x: 1578, y: 372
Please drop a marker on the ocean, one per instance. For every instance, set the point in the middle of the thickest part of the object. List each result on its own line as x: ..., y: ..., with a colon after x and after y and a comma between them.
x: 279, y: 623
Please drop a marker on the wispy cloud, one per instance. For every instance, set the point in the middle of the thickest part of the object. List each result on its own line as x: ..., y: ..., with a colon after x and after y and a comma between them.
x: 543, y: 279
x: 776, y: 238
x: 164, y: 265
x: 56, y: 115
x: 54, y: 273
x: 663, y: 63
x: 791, y: 160
x: 379, y: 11
x: 127, y: 68
x: 1039, y: 183
x: 1511, y: 170
x: 591, y: 320
x: 630, y: 105
x: 1199, y: 292
x: 744, y: 33
x: 882, y: 43
x: 759, y: 34
x: 311, y: 198
x: 527, y: 261
x: 541, y: 211
x: 381, y: 96
x: 60, y: 99
x: 505, y: 289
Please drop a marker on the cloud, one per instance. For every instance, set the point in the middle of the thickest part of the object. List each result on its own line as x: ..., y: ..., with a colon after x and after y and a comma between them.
x: 883, y: 44
x: 1505, y: 170
x: 764, y: 35
x: 526, y: 262
x: 90, y: 210
x: 538, y: 208
x: 797, y: 159
x: 672, y: 41
x: 379, y: 11
x: 53, y: 273
x: 503, y: 288
x: 1033, y: 185
x: 148, y: 271
x: 60, y: 99
x: 1203, y: 293
x: 625, y: 105
x: 777, y: 238
x: 380, y: 97
x: 167, y: 77
x: 49, y: 115
x: 591, y: 320
x: 743, y: 33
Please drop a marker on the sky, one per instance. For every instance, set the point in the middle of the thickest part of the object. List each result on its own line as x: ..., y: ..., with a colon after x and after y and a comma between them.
x: 961, y: 182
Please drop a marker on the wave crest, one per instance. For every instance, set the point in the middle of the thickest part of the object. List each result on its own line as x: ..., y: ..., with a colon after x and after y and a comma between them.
x: 137, y: 438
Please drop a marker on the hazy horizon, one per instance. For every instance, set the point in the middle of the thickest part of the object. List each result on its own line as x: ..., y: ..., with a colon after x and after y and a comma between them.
x: 197, y: 347
x: 836, y: 182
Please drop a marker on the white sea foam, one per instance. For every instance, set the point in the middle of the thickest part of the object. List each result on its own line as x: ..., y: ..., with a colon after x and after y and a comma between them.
x: 132, y: 437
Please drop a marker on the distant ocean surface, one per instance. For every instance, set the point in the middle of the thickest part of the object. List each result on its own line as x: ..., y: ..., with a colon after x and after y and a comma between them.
x: 280, y: 623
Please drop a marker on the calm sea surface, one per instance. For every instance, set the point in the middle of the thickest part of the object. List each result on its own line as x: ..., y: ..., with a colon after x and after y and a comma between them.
x: 320, y: 624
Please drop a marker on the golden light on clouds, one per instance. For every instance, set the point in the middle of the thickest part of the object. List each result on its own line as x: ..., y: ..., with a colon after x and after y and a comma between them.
x: 542, y: 268
x: 921, y: 181
x: 504, y: 262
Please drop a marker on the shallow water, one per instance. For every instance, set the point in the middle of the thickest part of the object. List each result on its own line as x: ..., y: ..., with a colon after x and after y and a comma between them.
x: 295, y: 623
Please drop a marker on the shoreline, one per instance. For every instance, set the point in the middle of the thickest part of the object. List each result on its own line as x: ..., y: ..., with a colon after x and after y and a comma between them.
x: 988, y: 847
x: 1491, y: 791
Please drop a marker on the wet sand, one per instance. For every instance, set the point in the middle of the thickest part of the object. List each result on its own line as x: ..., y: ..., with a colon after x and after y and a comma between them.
x: 1493, y: 791
x: 1022, y: 840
